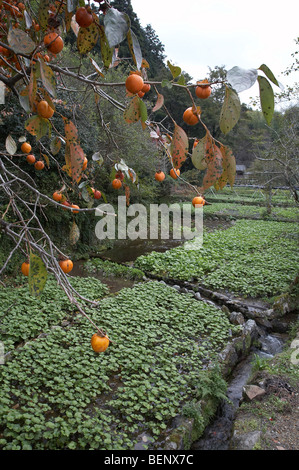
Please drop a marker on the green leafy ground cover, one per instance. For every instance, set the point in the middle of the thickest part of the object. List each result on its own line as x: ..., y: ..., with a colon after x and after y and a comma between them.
x: 56, y: 393
x: 251, y: 211
x: 109, y: 268
x: 24, y: 317
x: 247, y: 195
x: 251, y: 258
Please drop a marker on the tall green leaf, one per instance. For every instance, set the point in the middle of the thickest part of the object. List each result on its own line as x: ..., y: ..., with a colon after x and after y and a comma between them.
x: 230, y: 112
x: 106, y: 50
x: 269, y: 74
x: 143, y: 110
x: 37, y: 275
x: 266, y: 98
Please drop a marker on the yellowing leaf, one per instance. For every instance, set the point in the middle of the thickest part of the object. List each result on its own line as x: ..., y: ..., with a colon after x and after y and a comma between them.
x: 159, y: 102
x: 32, y: 88
x: 174, y: 69
x: 106, y: 50
x: 46, y: 158
x: 229, y: 166
x: 214, y: 161
x: 96, y: 67
x: 74, y: 233
x: 74, y: 154
x: 38, y: 126
x: 43, y: 13
x: 179, y: 146
x: 133, y: 112
x: 10, y: 145
x: 230, y: 111
x: 199, y: 155
x: 87, y: 38
x: 37, y: 275
x: 266, y: 98
x: 48, y: 78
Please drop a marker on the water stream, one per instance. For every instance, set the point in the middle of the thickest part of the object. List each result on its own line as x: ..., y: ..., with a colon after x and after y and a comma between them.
x: 217, y: 435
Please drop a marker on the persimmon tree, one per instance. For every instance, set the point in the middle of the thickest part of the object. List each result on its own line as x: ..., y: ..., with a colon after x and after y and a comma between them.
x: 32, y: 38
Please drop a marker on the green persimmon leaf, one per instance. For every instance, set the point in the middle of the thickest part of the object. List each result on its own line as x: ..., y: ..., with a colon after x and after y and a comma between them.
x: 106, y: 50
x: 230, y: 111
x: 48, y: 78
x: 174, y: 69
x: 269, y: 74
x: 143, y: 110
x: 199, y: 154
x: 266, y: 98
x: 37, y: 275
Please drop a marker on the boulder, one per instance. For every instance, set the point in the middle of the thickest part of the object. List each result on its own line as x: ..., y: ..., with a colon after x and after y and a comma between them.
x: 246, y: 441
x: 236, y: 318
x: 253, y: 392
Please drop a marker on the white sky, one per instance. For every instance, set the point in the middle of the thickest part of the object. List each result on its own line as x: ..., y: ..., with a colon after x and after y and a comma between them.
x: 200, y: 34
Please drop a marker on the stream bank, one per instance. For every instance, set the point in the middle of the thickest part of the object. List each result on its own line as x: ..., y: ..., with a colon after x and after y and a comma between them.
x: 265, y: 336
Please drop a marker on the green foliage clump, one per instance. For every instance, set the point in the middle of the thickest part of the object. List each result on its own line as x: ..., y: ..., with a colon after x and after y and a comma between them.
x: 108, y: 268
x: 56, y: 393
x: 252, y: 258
x: 24, y: 317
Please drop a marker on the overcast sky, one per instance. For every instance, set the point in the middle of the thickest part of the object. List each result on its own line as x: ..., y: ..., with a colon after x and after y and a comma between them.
x: 200, y: 34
